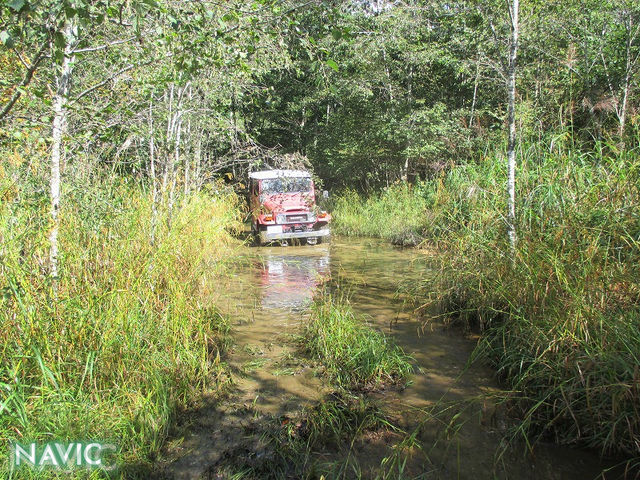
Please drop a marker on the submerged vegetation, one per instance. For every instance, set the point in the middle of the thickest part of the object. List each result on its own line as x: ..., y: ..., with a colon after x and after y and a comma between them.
x: 323, y: 438
x: 319, y: 441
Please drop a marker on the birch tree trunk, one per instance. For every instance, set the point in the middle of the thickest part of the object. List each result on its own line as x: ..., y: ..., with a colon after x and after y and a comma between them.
x: 404, y: 174
x: 175, y: 164
x: 632, y: 32
x: 60, y: 100
x: 188, y: 153
x: 154, y: 183
x: 511, y: 145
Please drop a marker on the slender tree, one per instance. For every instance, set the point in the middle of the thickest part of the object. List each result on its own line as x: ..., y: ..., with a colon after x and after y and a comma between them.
x: 511, y: 144
x: 61, y: 97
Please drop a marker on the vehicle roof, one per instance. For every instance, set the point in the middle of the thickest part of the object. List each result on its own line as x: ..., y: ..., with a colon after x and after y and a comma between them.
x: 278, y: 173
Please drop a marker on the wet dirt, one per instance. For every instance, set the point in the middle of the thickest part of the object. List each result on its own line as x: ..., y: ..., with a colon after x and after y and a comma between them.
x: 267, y: 301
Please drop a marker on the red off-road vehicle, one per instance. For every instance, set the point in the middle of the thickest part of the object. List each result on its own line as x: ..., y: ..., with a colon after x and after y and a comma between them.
x: 283, y: 207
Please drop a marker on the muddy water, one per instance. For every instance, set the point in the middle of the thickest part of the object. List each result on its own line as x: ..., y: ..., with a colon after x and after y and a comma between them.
x: 267, y: 301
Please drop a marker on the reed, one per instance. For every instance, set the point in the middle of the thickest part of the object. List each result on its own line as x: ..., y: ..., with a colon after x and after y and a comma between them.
x: 560, y: 315
x: 397, y: 214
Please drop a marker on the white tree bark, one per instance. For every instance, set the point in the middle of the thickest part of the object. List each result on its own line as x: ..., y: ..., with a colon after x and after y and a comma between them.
x: 59, y: 127
x: 511, y: 145
x: 188, y: 153
x: 154, y: 184
x: 632, y: 32
x: 174, y: 174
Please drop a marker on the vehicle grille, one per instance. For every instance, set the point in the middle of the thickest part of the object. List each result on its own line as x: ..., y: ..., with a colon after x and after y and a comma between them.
x: 296, y: 218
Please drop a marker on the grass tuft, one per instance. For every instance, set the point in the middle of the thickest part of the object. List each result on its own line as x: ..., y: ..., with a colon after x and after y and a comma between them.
x: 355, y: 355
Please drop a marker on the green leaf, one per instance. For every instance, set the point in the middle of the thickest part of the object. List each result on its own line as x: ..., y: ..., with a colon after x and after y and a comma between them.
x: 231, y: 17
x: 333, y: 64
x: 59, y: 40
x: 6, y: 39
x: 16, y: 5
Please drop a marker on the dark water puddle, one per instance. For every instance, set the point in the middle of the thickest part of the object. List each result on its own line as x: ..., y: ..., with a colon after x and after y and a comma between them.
x: 267, y: 301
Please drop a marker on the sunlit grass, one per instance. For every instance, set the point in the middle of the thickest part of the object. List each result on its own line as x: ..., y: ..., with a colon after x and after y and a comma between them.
x: 398, y: 214
x: 127, y: 336
x: 354, y: 354
x: 559, y: 316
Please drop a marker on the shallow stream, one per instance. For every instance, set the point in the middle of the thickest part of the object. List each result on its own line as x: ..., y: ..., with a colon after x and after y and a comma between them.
x: 267, y: 301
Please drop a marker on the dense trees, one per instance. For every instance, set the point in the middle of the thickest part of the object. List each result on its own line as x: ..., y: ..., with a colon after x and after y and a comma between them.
x: 382, y: 90
x: 424, y: 85
x: 178, y: 93
x: 102, y: 72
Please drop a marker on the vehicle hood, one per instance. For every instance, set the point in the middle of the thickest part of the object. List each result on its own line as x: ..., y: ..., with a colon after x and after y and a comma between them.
x: 282, y: 202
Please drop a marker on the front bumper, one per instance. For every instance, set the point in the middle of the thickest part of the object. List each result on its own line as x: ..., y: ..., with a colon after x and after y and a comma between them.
x: 265, y: 236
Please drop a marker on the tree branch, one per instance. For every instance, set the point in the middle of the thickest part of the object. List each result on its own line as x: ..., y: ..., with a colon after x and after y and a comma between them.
x: 104, y: 82
x: 103, y: 47
x: 26, y: 79
x: 115, y: 75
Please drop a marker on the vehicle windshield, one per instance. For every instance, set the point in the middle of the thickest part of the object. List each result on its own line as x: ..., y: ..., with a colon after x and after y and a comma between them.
x: 286, y: 185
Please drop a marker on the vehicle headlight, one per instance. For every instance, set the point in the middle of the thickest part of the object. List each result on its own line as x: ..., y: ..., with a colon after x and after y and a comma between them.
x: 280, y: 218
x: 311, y: 217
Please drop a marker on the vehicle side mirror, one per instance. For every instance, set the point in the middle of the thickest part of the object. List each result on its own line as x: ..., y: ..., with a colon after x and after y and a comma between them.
x: 325, y: 194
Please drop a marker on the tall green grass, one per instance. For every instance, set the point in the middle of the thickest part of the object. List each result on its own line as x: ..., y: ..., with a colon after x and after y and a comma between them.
x: 397, y: 214
x: 128, y: 336
x: 355, y: 355
x: 560, y: 315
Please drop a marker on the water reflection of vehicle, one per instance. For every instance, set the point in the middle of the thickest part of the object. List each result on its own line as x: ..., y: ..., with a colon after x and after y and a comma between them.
x: 289, y: 281
x: 283, y: 207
